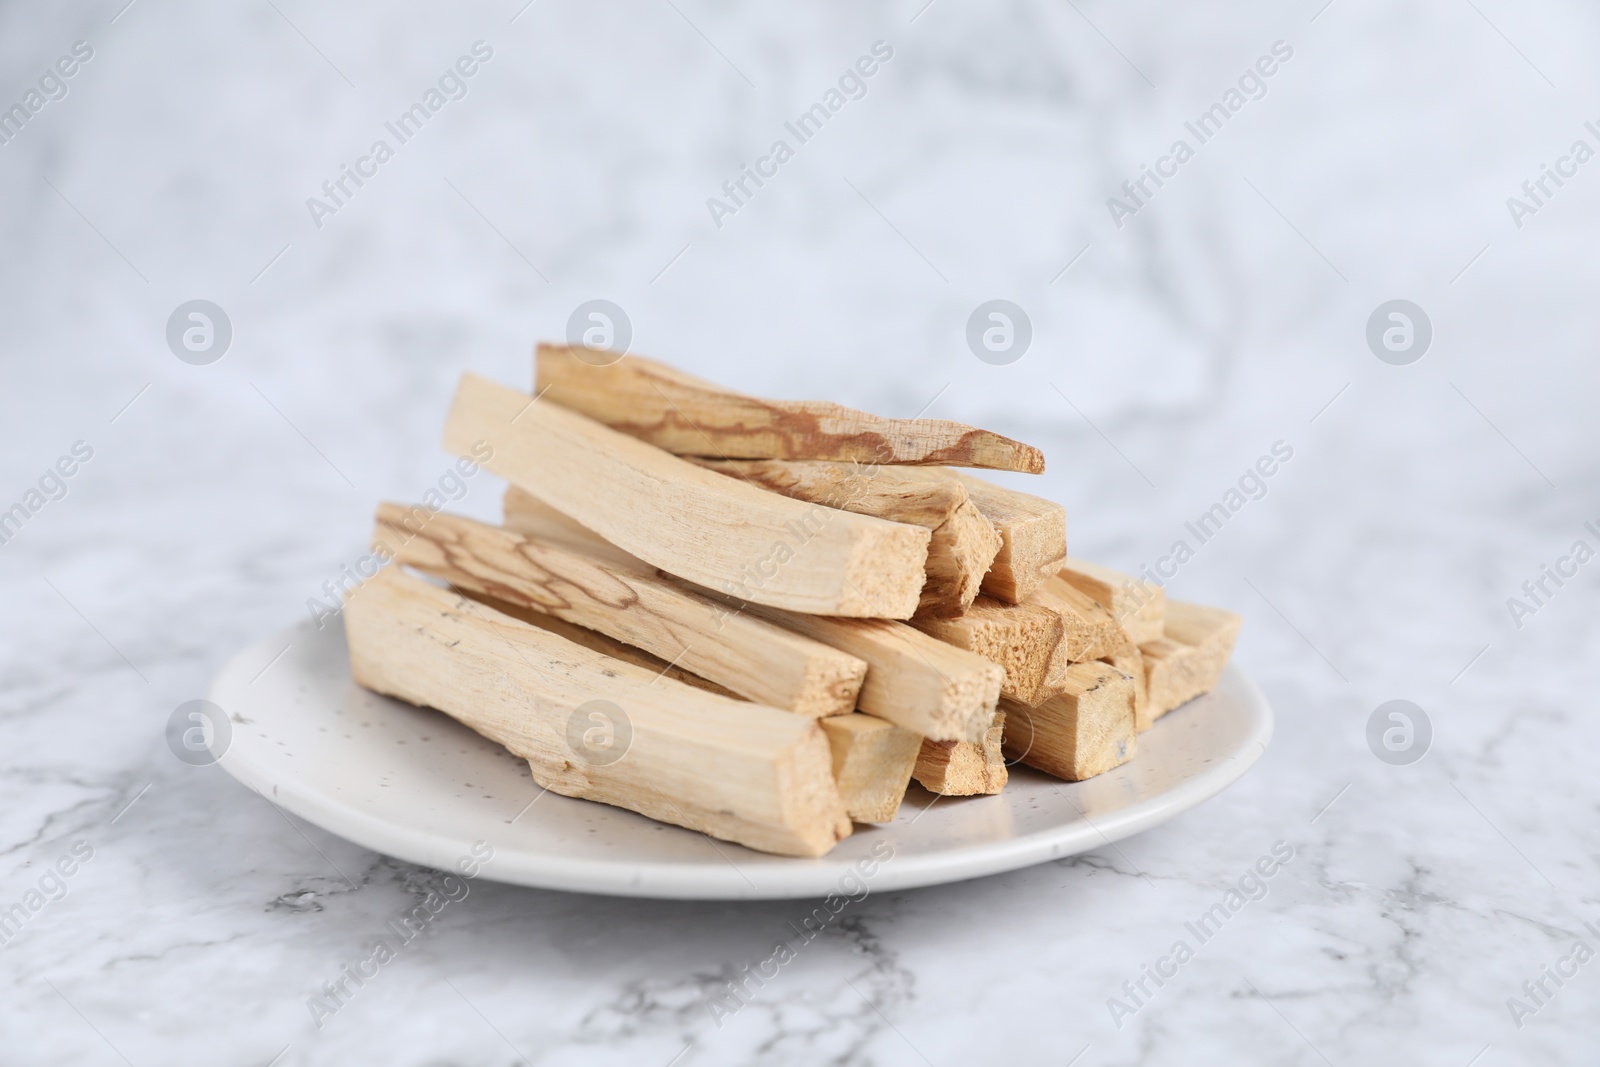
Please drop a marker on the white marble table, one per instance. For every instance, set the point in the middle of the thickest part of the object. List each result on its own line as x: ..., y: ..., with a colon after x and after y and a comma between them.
x: 1226, y: 314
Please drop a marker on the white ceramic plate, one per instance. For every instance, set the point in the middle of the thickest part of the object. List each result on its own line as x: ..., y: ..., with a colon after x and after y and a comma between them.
x: 413, y: 783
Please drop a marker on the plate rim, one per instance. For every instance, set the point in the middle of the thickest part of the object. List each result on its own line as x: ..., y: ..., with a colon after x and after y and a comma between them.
x: 801, y: 877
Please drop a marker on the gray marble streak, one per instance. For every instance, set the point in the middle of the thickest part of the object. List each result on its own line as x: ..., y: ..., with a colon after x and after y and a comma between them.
x: 1226, y: 315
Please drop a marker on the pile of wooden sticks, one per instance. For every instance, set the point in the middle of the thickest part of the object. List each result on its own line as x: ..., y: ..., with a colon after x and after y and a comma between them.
x: 761, y: 619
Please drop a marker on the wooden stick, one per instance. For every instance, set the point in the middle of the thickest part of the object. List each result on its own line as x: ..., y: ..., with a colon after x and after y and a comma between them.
x: 964, y: 543
x: 691, y: 522
x: 1036, y: 641
x: 597, y: 728
x: 1139, y: 606
x: 757, y: 660
x: 914, y: 681
x: 872, y: 764
x: 918, y: 683
x: 1085, y: 731
x: 964, y: 768
x: 1021, y: 639
x: 596, y: 641
x: 1188, y: 660
x: 690, y: 417
x: 872, y: 758
x: 1131, y: 665
x: 527, y: 514
x: 1033, y: 538
x: 1090, y: 631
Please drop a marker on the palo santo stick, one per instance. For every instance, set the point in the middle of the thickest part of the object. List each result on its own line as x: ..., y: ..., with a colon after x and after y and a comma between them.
x: 599, y: 642
x: 872, y: 763
x: 964, y: 543
x: 757, y: 660
x: 1131, y: 664
x: 1033, y: 538
x: 913, y: 680
x: 918, y: 683
x: 872, y: 759
x: 964, y: 768
x: 739, y: 771
x: 1085, y: 731
x: 1139, y: 606
x: 690, y: 417
x: 527, y: 514
x: 695, y: 524
x: 1188, y: 660
x: 1021, y: 639
x: 1090, y: 631
x: 1037, y: 641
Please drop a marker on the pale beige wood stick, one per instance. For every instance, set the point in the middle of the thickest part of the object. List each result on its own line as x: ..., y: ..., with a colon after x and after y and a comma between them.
x: 1138, y: 605
x: 1131, y: 664
x: 913, y: 680
x: 757, y: 660
x: 964, y: 768
x: 738, y: 771
x: 527, y: 514
x: 1090, y: 631
x: 1021, y: 639
x: 1085, y: 731
x: 1033, y: 537
x: 872, y: 763
x: 682, y: 414
x: 1036, y: 641
x: 599, y: 642
x: 964, y: 543
x: 872, y: 759
x: 1189, y: 658
x: 691, y: 522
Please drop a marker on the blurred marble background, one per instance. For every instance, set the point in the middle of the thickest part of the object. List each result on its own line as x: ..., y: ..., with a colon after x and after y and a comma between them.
x: 1228, y: 313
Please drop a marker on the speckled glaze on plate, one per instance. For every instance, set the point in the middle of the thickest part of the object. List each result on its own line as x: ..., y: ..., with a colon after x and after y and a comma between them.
x: 413, y: 783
